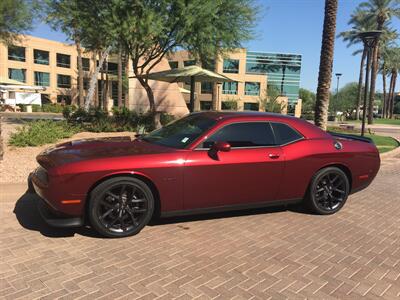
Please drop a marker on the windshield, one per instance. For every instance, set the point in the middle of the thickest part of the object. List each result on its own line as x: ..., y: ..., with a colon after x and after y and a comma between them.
x: 181, y: 133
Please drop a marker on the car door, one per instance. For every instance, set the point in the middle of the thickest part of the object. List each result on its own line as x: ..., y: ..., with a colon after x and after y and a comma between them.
x: 249, y: 173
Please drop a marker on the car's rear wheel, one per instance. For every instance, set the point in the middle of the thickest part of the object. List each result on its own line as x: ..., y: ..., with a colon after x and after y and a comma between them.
x: 328, y: 191
x: 121, y: 206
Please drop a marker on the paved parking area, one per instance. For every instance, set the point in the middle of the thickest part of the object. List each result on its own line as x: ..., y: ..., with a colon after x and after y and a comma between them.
x: 272, y: 253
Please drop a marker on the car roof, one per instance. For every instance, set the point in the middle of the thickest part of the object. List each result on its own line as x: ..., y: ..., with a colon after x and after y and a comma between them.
x: 307, y: 129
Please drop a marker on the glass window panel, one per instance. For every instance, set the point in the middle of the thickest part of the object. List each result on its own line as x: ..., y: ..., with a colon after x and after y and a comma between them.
x: 85, y: 63
x: 252, y: 134
x: 252, y: 88
x: 63, y: 81
x: 205, y: 105
x: 187, y: 63
x: 230, y: 88
x: 112, y: 68
x: 206, y: 87
x: 251, y: 106
x: 173, y: 64
x: 231, y: 66
x: 64, y: 99
x: 16, y: 53
x: 285, y: 134
x: 17, y: 74
x: 40, y: 57
x: 63, y: 60
x: 42, y: 78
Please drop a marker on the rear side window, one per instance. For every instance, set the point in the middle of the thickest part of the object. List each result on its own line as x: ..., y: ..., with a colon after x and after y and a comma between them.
x: 285, y: 134
x: 238, y: 135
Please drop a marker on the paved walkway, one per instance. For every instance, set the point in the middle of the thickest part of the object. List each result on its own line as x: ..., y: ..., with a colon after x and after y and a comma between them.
x: 271, y: 253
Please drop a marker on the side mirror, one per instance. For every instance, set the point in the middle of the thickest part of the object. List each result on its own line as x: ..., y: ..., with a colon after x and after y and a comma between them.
x: 221, y: 146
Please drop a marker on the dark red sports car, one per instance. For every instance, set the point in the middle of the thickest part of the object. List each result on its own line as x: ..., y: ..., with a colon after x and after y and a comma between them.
x: 203, y: 162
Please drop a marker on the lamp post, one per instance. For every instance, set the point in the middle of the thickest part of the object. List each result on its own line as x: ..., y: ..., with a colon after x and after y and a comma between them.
x: 370, y: 40
x: 337, y: 89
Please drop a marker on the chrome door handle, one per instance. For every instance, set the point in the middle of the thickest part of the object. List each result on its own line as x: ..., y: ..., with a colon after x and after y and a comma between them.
x: 273, y: 155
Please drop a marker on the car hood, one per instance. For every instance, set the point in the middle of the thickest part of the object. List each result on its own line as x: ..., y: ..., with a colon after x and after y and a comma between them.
x: 89, y: 149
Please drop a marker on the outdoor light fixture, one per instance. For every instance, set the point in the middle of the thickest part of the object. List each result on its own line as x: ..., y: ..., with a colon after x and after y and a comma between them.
x: 370, y: 40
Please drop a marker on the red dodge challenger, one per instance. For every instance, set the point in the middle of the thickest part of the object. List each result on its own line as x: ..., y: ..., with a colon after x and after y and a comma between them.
x: 208, y: 161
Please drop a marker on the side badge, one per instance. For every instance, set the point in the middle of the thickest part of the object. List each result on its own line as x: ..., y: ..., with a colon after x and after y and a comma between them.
x: 338, y: 145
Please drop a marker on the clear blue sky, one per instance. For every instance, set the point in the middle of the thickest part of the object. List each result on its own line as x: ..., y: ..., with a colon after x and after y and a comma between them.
x: 293, y: 26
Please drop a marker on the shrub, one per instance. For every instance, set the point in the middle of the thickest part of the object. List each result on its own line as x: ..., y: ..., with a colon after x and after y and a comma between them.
x: 42, y: 132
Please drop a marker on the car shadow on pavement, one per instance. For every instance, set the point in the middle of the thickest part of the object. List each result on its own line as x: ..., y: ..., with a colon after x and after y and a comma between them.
x: 28, y: 216
x: 296, y: 208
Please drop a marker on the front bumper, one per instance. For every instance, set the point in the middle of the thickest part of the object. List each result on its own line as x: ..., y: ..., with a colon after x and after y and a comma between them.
x: 51, y: 216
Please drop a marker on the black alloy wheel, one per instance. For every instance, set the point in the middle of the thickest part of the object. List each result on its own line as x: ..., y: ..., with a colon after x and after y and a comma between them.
x: 328, y: 191
x: 121, y: 206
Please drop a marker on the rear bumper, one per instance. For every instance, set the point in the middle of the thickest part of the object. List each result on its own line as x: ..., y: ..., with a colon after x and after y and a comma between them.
x: 48, y: 213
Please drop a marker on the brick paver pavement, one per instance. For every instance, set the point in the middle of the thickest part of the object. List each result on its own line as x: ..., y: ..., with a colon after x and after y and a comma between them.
x: 273, y: 253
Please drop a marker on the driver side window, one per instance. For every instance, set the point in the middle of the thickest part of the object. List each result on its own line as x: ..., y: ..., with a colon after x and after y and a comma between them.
x: 243, y: 135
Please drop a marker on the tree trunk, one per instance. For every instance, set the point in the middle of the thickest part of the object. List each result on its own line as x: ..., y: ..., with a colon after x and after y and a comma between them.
x: 384, y: 91
x: 374, y: 72
x: 325, y: 65
x: 120, y: 104
x: 215, y: 103
x: 360, y: 83
x: 283, y: 78
x: 93, y: 80
x: 80, y: 70
x: 126, y: 90
x: 105, y: 96
x: 392, y: 94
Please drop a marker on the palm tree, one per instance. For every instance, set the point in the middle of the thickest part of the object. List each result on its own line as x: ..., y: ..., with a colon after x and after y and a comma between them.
x: 359, y: 23
x: 381, y: 11
x: 393, y: 64
x: 325, y: 64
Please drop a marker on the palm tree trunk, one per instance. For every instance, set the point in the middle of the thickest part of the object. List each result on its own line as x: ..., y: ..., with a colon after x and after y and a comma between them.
x: 374, y: 72
x: 384, y: 90
x: 391, y: 102
x: 80, y: 70
x: 93, y: 80
x: 360, y: 83
x: 1, y: 141
x: 120, y: 104
x: 325, y: 65
x: 106, y: 96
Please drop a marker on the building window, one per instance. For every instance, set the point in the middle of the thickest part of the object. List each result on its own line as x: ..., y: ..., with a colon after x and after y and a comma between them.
x: 173, y: 64
x: 17, y: 74
x: 251, y: 106
x: 63, y: 60
x: 42, y: 78
x: 205, y: 105
x: 45, y: 98
x: 252, y: 88
x: 188, y: 63
x: 112, y: 68
x: 16, y: 53
x: 64, y: 99
x: 41, y: 57
x: 229, y: 105
x: 63, y: 81
x: 230, y: 88
x: 85, y: 63
x: 206, y: 88
x: 231, y: 66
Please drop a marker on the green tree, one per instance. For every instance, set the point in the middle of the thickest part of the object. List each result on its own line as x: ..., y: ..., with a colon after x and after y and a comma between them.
x: 345, y: 100
x: 308, y: 100
x: 393, y: 64
x: 16, y: 17
x: 381, y: 11
x: 325, y: 65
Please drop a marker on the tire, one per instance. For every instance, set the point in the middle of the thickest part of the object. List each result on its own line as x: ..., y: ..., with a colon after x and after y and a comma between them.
x: 328, y: 191
x: 120, y: 207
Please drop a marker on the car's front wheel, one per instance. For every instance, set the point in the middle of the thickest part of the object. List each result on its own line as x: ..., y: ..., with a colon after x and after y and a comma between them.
x: 328, y: 191
x: 121, y: 206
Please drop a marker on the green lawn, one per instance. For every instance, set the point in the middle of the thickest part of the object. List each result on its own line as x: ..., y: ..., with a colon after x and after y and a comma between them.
x: 383, y: 143
x: 379, y: 121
